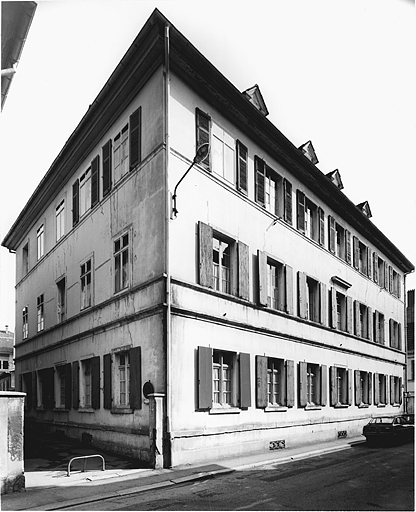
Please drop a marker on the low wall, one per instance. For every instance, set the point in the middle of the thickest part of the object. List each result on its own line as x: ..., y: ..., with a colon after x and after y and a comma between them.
x: 11, y: 441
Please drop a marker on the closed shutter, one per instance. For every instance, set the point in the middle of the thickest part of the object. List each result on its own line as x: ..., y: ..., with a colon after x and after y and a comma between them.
x: 321, y: 217
x: 261, y: 382
x: 348, y: 246
x: 300, y: 201
x: 357, y: 375
x: 370, y: 324
x: 331, y: 233
x: 290, y: 383
x: 303, y: 295
x: 369, y: 262
x: 303, y: 384
x: 48, y: 388
x: 334, y: 314
x: 323, y: 303
x: 288, y: 201
x: 376, y: 389
x: 357, y: 318
x: 262, y: 264
x: 350, y: 315
x: 243, y: 271
x: 370, y: 388
x: 135, y: 138
x: 95, y: 382
x: 375, y: 267
x: 245, y: 389
x: 323, y: 370
x: 333, y: 380
x: 356, y: 249
x: 241, y: 167
x: 289, y: 289
x: 108, y: 392
x: 260, y: 176
x: 205, y: 255
x: 350, y: 387
x: 204, y: 377
x: 203, y: 130
x: 68, y: 386
x: 75, y: 202
x: 106, y: 149
x: 95, y: 180
x: 135, y: 356
x: 75, y: 384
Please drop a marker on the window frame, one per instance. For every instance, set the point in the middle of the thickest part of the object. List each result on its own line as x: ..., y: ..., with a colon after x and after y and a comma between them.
x: 60, y: 220
x: 25, y: 323
x: 84, y: 273
x: 363, y: 388
x: 40, y: 241
x: 61, y: 299
x: 312, y: 385
x: 40, y: 311
x: 120, y: 282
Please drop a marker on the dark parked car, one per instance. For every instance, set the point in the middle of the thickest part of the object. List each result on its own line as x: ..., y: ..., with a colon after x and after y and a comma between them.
x: 390, y: 428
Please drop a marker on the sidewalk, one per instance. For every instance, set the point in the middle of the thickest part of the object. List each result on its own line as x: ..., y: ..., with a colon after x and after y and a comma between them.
x: 54, y: 490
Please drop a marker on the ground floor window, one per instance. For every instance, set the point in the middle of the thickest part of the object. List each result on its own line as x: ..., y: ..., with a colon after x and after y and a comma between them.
x: 46, y: 388
x: 341, y: 386
x: 63, y: 384
x: 363, y: 388
x: 274, y: 382
x: 395, y: 390
x: 380, y: 389
x: 89, y: 383
x: 312, y: 384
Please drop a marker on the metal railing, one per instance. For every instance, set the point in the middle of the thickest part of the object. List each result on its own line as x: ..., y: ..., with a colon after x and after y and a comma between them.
x: 85, y: 457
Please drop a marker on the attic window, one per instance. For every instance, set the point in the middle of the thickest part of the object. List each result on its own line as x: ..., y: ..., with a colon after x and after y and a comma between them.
x: 255, y: 97
x: 308, y: 150
x: 335, y: 177
x: 365, y: 208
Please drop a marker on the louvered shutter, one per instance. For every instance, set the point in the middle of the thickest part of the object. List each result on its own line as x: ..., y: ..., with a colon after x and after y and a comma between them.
x: 75, y: 202
x: 106, y: 149
x: 375, y: 267
x: 356, y: 249
x: 376, y: 389
x: 386, y: 276
x: 303, y: 384
x: 323, y: 303
x: 288, y: 201
x: 399, y: 336
x: 95, y: 382
x: 324, y: 384
x: 377, y: 326
x: 321, y: 217
x: 68, y: 386
x: 205, y: 255
x: 135, y: 356
x: 390, y: 279
x: 261, y: 382
x: 334, y: 315
x: 300, y: 201
x: 350, y: 387
x: 333, y: 390
x: 392, y: 389
x: 350, y: 315
x: 357, y: 375
x: 95, y: 180
x: 348, y: 246
x: 289, y: 289
x: 204, y: 377
x: 260, y: 176
x: 303, y: 295
x: 135, y: 138
x: 331, y: 233
x: 242, y: 170
x: 108, y: 392
x: 357, y: 318
x: 243, y: 271
x: 370, y: 388
x: 370, y: 324
x: 290, y: 383
x: 262, y: 265
x: 203, y: 131
x: 245, y: 380
x: 399, y: 285
x: 400, y: 390
x: 369, y: 262
x: 75, y: 384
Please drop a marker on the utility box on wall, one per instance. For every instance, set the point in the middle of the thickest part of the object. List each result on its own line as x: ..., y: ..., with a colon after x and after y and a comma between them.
x: 11, y: 441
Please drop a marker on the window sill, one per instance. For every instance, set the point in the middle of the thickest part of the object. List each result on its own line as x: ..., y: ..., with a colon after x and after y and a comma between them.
x: 363, y: 406
x: 395, y: 405
x: 312, y: 407
x: 225, y: 410
x: 381, y: 405
x: 60, y: 409
x: 85, y: 409
x: 121, y: 410
x: 275, y: 408
x: 341, y: 406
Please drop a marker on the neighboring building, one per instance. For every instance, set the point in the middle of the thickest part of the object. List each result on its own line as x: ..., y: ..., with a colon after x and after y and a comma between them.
x: 268, y: 313
x: 6, y: 360
x: 410, y: 333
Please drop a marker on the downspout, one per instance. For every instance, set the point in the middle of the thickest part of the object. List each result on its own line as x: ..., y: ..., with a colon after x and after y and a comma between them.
x: 405, y: 396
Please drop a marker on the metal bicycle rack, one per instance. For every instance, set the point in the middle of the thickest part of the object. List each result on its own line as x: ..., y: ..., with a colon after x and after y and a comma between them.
x: 85, y: 457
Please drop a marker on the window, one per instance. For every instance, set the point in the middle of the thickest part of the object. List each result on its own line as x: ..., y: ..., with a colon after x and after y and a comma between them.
x: 312, y: 302
x: 86, y: 370
x: 122, y: 379
x: 380, y: 389
x: 121, y: 263
x: 223, y: 379
x: 341, y: 386
x: 378, y: 326
x: 242, y: 166
x: 363, y: 321
x: 395, y: 390
x: 339, y: 240
x: 4, y: 364
x: 312, y: 299
x: 362, y: 257
x: 107, y: 165
x: 135, y: 148
x: 40, y: 313
x: 40, y: 237
x: 341, y: 307
x: 310, y: 218
x: 203, y: 134
x: 46, y: 388
x: 275, y: 383
x: 396, y: 284
x: 61, y: 300
x: 312, y: 384
x: 222, y: 153
x: 362, y: 388
x: 121, y: 153
x: 85, y: 192
x: 86, y: 284
x: 378, y: 270
x: 223, y: 263
x: 25, y: 323
x: 63, y: 386
x: 25, y: 259
x: 275, y: 284
x: 411, y: 374
x: 60, y: 220
x: 89, y: 384
x: 395, y: 334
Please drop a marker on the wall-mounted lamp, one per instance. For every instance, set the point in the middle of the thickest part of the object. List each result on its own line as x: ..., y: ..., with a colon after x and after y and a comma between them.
x: 201, y: 154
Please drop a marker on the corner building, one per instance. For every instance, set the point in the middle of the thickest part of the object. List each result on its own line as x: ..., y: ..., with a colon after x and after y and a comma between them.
x: 268, y: 312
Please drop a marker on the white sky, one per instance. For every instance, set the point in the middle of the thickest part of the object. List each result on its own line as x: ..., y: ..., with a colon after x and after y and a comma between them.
x: 338, y: 72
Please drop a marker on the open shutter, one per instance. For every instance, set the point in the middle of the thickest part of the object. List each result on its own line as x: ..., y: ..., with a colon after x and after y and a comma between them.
x: 375, y: 267
x: 290, y: 383
x: 391, y: 389
x: 261, y: 382
x: 370, y: 388
x: 356, y: 249
x: 390, y: 279
x: 331, y: 233
x: 107, y: 381
x: 399, y: 285
x: 321, y: 220
x: 106, y: 149
x: 386, y: 276
x: 399, y: 334
x: 135, y: 138
x: 288, y: 201
x: 260, y: 176
x: 333, y: 381
x: 323, y: 370
x: 68, y: 386
x: 350, y: 315
x: 75, y: 202
x: 357, y: 318
x: 241, y: 167
x: 262, y: 264
x: 391, y: 343
x: 245, y: 389
x: 303, y: 295
x: 95, y: 180
x: 289, y: 289
x: 369, y: 272
x: 205, y: 255
x: 348, y: 246
x: 300, y: 201
x: 135, y: 356
x: 377, y: 333
x: 303, y: 384
x: 400, y: 390
x: 95, y: 382
x: 203, y: 130
x: 334, y: 314
x: 243, y: 271
x: 323, y: 303
x: 350, y: 387
x: 357, y: 375
x: 75, y: 384
x: 370, y: 324
x: 376, y: 389
x: 204, y: 377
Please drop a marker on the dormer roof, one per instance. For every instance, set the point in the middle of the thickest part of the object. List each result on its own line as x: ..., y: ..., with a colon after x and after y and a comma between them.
x: 308, y: 150
x: 255, y: 97
x: 335, y: 177
x: 365, y: 208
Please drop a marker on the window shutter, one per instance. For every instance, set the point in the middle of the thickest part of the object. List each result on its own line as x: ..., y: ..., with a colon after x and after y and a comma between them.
x: 350, y: 315
x: 289, y: 289
x: 323, y: 303
x: 375, y: 267
x: 241, y: 167
x: 386, y: 276
x: 386, y: 380
x: 331, y: 233
x: 35, y: 389
x: 288, y: 201
x: 377, y: 327
x: 376, y: 389
x: 356, y: 249
x: 262, y: 264
x: 350, y: 387
x: 303, y: 384
x: 135, y: 356
x: 203, y: 131
x: 135, y: 138
x: 333, y: 308
x: 324, y: 384
x: 243, y: 271
x: 261, y: 382
x: 357, y: 387
x: 300, y: 199
x: 260, y: 175
x: 348, y: 246
x: 321, y: 217
x: 68, y: 386
x: 106, y: 149
x: 370, y: 388
x: 370, y: 323
x: 399, y: 334
x: 290, y: 383
x: 357, y: 318
x: 245, y: 390
x: 28, y: 379
x: 333, y: 380
x: 390, y: 279
x: 390, y: 332
x: 399, y: 285
x: 108, y: 392
x: 95, y: 180
x: 95, y: 382
x: 75, y: 202
x: 303, y: 295
x: 391, y: 389
x: 204, y: 377
x: 205, y: 255
x: 400, y: 390
x: 369, y: 262
x: 75, y: 384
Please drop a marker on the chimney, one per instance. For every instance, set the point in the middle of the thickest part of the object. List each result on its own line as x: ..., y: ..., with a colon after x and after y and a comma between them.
x: 7, y: 329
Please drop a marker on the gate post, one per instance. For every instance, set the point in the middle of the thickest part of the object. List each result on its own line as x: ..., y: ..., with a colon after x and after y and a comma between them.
x: 156, y: 421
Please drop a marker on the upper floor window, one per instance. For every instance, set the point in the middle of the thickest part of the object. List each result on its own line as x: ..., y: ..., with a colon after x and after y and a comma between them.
x: 311, y: 298
x: 275, y: 284
x: 310, y: 218
x: 86, y: 284
x: 85, y: 192
x: 121, y: 263
x: 339, y: 240
x: 203, y: 134
x: 60, y: 220
x: 363, y: 321
x: 40, y: 239
x: 61, y: 300
x: 40, y: 312
x: 121, y: 153
x: 378, y: 270
x: 380, y: 389
x: 395, y: 334
x: 378, y: 327
x: 25, y: 322
x: 395, y: 390
x: 312, y: 384
x: 222, y: 153
x: 341, y: 386
x: 221, y: 259
x: 274, y: 383
x: 362, y: 257
x: 242, y: 166
x: 25, y: 258
x: 107, y: 167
